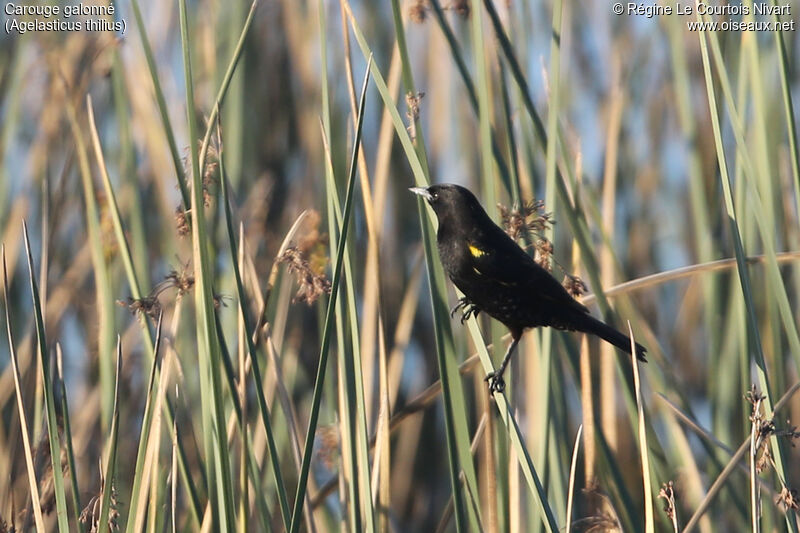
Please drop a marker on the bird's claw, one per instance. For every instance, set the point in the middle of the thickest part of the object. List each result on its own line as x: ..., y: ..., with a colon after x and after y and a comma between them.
x: 496, y: 382
x: 462, y: 303
x: 470, y: 309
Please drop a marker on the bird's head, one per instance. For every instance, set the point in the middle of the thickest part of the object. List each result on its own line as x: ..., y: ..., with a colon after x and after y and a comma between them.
x: 448, y: 199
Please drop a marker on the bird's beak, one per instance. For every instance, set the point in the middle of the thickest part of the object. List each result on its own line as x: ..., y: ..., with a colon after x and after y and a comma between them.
x: 422, y: 191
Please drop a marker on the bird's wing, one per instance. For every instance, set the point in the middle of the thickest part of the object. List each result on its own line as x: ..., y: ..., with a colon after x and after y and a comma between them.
x: 496, y: 256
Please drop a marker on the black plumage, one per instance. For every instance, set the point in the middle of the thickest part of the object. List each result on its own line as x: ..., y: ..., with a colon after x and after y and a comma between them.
x: 501, y: 279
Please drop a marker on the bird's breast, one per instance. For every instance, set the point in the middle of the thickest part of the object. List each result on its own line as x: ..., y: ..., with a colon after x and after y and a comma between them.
x: 455, y: 258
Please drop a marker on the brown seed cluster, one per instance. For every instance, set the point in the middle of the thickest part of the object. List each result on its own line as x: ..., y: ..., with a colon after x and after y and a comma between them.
x: 148, y: 305
x: 211, y: 165
x: 413, y: 101
x: 209, y: 180
x: 6, y: 527
x: 307, y: 260
x: 605, y: 518
x: 328, y: 438
x: 528, y: 221
x: 418, y: 11
x: 544, y: 253
x: 762, y: 430
x: 182, y: 225
x: 91, y: 513
x: 667, y: 492
x: 182, y: 280
x: 460, y: 8
x: 575, y: 285
x: 312, y: 284
x: 44, y: 464
x: 221, y: 300
x: 787, y: 498
x: 209, y: 175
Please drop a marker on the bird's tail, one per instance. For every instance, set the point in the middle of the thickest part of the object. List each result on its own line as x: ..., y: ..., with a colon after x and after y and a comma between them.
x: 591, y: 325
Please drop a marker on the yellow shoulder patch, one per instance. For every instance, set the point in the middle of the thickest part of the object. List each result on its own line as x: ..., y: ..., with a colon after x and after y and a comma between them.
x: 475, y: 251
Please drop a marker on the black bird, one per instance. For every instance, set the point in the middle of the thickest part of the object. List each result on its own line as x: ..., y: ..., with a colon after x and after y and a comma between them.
x: 497, y: 276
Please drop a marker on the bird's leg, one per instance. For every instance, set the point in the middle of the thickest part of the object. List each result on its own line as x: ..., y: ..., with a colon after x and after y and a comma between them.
x: 495, y: 379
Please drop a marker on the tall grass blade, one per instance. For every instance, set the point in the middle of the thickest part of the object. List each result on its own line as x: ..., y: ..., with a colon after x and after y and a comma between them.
x: 326, y: 335
x: 104, y: 300
x: 644, y: 450
x: 754, y: 335
x: 111, y: 458
x: 788, y: 108
x: 162, y: 104
x: 23, y: 421
x: 73, y: 471
x: 456, y: 428
x: 139, y: 491
x: 351, y: 370
x: 49, y: 396
x: 211, y: 394
x: 515, y: 434
x: 572, y: 468
x: 732, y: 464
x: 226, y: 81
x: 280, y: 486
x: 137, y: 293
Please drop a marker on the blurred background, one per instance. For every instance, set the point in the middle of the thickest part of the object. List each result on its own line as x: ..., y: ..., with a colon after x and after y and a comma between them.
x: 666, y: 159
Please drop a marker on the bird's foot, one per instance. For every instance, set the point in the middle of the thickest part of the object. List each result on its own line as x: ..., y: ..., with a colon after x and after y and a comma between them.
x: 462, y: 303
x: 472, y: 310
x: 469, y: 309
x: 496, y: 382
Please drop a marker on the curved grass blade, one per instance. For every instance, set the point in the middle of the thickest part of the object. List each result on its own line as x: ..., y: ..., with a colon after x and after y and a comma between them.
x: 654, y: 280
x: 572, y: 467
x: 104, y: 299
x: 482, y: 429
x: 757, y: 199
x: 253, y: 469
x: 551, y: 156
x: 351, y: 383
x: 32, y: 484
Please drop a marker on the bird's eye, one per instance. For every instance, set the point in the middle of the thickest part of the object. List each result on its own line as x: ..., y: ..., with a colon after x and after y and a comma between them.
x: 435, y: 196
